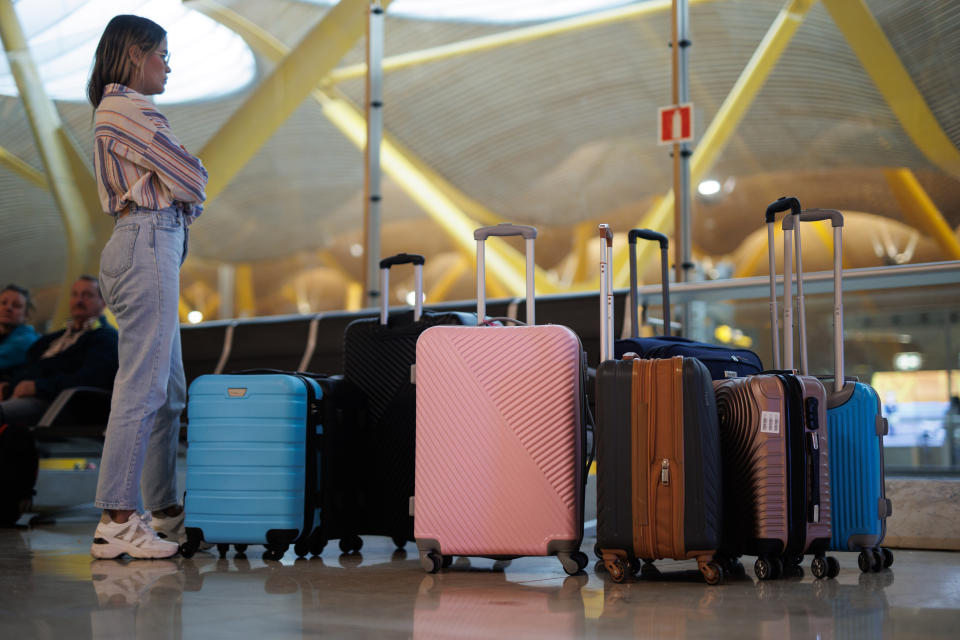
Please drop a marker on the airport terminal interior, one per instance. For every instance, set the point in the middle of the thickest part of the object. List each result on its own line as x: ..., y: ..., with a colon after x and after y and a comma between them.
x: 479, y: 112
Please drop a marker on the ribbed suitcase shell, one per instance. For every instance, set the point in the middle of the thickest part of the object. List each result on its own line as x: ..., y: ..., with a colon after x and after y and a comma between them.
x: 624, y: 390
x: 499, y: 451
x: 247, y: 457
x: 377, y: 360
x: 860, y: 506
x: 766, y: 465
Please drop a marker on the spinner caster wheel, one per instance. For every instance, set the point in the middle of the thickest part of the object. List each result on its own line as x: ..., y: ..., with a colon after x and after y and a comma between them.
x: 351, y: 543
x: 833, y: 567
x: 712, y: 573
x: 819, y: 567
x: 222, y: 549
x: 865, y: 561
x: 399, y: 542
x: 617, y: 570
x: 430, y: 561
x: 887, y: 557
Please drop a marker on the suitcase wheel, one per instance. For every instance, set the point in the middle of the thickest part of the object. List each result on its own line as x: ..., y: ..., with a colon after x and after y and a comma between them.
x: 222, y: 549
x: 768, y: 568
x: 274, y: 552
x: 317, y: 544
x: 349, y: 544
x: 712, y: 573
x: 887, y: 557
x: 400, y: 542
x: 833, y: 567
x: 192, y: 543
x: 430, y: 561
x: 241, y: 550
x: 617, y: 569
x: 819, y: 567
x: 301, y: 548
x: 869, y: 560
x: 649, y: 570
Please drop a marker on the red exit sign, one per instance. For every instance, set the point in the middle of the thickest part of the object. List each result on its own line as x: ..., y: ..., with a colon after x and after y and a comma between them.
x: 675, y: 124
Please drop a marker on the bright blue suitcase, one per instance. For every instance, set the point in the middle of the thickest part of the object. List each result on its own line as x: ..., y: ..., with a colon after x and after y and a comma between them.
x: 858, y: 499
x: 252, y: 460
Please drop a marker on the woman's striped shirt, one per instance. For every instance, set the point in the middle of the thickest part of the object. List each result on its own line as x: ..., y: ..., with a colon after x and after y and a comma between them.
x: 138, y: 159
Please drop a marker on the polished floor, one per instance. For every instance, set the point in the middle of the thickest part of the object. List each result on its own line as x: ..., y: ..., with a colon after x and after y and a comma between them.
x: 52, y: 588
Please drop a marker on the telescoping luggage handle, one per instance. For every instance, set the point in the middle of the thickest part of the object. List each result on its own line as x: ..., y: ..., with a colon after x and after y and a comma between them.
x: 793, y: 206
x: 606, y: 292
x: 503, y: 229
x: 402, y: 258
x: 649, y: 234
x: 791, y: 228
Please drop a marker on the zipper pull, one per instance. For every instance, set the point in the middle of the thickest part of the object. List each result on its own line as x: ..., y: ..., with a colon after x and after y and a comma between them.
x: 665, y: 472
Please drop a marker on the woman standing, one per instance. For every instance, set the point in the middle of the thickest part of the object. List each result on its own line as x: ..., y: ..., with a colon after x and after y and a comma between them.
x: 15, y: 336
x: 154, y: 188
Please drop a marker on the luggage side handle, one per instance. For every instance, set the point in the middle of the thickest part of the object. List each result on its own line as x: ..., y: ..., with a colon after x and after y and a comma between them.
x: 402, y: 258
x: 504, y: 229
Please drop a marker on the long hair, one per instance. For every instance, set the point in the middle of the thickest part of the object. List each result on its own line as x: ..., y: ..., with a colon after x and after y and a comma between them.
x: 112, y: 62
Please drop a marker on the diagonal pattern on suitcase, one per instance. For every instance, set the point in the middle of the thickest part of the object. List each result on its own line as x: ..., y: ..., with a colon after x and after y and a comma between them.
x: 479, y: 490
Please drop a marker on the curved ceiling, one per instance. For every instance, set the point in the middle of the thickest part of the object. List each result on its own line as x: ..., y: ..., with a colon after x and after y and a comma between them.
x: 552, y: 131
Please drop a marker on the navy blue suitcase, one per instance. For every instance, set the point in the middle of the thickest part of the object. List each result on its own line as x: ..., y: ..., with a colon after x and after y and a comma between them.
x: 721, y: 362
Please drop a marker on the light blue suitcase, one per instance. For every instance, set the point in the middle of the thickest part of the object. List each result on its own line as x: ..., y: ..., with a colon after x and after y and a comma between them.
x: 252, y: 461
x: 858, y: 498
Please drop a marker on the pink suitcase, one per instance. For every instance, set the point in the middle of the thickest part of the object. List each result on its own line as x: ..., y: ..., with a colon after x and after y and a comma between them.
x: 500, y: 449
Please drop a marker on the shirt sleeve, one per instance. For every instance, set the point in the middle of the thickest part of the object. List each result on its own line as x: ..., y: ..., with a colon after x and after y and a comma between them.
x: 182, y: 173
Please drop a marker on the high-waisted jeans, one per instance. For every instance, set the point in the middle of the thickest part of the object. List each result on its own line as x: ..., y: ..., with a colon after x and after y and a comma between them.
x: 140, y: 281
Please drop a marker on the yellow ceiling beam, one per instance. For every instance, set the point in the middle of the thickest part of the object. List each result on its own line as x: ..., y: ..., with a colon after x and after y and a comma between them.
x: 23, y: 169
x: 70, y: 184
x: 920, y: 211
x: 246, y: 298
x: 882, y: 63
x: 282, y: 92
x: 514, y: 36
x: 723, y: 125
x: 443, y: 203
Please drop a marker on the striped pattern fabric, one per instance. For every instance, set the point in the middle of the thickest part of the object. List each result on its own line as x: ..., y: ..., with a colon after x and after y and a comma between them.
x: 138, y: 159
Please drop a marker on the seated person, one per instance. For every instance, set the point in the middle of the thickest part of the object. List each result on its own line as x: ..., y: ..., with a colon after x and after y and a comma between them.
x: 15, y: 336
x: 83, y: 354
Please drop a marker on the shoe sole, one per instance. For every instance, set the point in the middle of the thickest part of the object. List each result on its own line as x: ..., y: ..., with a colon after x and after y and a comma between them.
x: 111, y: 551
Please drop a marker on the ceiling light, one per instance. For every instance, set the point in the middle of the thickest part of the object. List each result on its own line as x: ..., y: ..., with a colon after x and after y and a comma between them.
x: 709, y: 188
x: 907, y: 361
x: 356, y: 249
x: 194, y: 317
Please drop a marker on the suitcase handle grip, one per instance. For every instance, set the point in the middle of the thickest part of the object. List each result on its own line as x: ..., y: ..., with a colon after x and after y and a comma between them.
x: 782, y: 204
x: 648, y: 234
x: 506, y: 229
x: 402, y: 258
x: 814, y: 215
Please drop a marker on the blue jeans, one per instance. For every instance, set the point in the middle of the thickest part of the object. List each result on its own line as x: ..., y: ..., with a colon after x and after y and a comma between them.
x: 140, y: 281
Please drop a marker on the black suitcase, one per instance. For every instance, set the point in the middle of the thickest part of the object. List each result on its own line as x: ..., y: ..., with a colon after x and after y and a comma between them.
x: 377, y: 357
x: 658, y: 458
x: 18, y: 472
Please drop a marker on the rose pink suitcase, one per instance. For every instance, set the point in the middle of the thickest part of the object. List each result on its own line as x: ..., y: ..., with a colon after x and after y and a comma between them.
x: 500, y: 448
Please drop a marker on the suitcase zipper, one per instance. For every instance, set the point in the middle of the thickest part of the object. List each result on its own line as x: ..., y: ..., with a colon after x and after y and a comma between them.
x: 665, y: 473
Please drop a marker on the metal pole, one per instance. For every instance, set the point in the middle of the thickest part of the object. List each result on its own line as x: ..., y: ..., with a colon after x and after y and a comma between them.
x: 681, y: 153
x: 371, y: 218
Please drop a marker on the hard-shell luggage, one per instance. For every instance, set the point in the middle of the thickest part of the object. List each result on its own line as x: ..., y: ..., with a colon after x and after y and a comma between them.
x: 658, y: 457
x: 775, y: 440
x: 721, y: 362
x: 858, y: 497
x: 500, y: 451
x: 378, y: 354
x: 266, y: 461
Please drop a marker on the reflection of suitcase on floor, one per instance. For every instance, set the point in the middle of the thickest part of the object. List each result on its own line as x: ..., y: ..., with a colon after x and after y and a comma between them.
x: 858, y: 498
x: 658, y: 457
x: 500, y: 447
x: 721, y: 362
x: 775, y: 438
x: 378, y: 354
x: 255, y: 444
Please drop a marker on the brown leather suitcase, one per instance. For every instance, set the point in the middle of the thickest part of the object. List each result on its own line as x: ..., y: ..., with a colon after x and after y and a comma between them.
x: 658, y: 459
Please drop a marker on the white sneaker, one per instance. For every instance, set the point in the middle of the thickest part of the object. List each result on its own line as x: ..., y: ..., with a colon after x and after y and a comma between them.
x: 171, y: 528
x: 133, y: 537
x: 125, y: 584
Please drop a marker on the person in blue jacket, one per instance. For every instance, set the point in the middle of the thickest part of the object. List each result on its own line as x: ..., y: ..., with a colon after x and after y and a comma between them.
x: 82, y: 354
x: 15, y: 336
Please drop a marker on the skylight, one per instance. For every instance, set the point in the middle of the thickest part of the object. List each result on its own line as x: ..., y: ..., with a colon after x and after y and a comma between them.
x: 207, y: 59
x: 495, y: 10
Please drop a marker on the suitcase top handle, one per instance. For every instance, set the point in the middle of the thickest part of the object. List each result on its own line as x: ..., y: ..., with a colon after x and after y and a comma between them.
x: 653, y: 236
x: 402, y: 258
x: 504, y: 229
x: 782, y: 204
x: 814, y: 215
